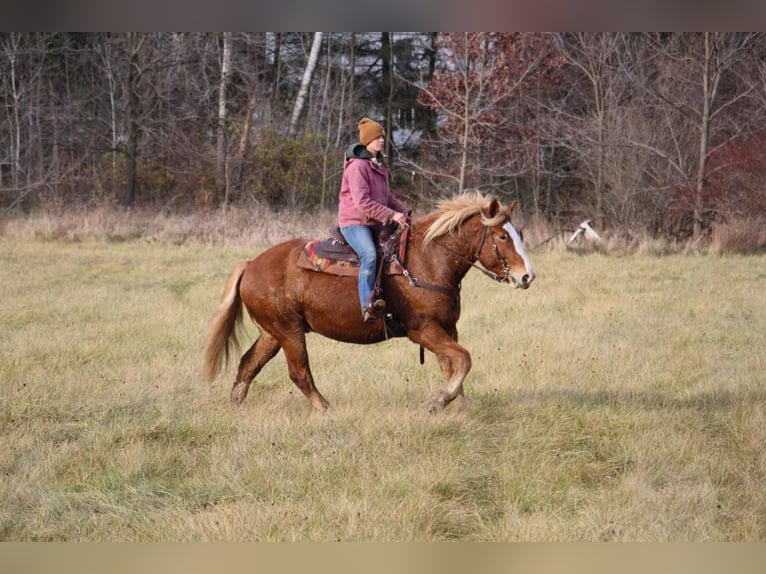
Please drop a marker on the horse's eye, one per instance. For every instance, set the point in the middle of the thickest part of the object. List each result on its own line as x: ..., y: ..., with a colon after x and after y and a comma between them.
x: 502, y: 237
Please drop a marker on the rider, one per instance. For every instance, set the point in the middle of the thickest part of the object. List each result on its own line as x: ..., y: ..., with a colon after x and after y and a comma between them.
x: 366, y: 199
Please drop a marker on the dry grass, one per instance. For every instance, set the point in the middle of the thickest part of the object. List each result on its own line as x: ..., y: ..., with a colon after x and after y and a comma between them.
x: 255, y: 226
x: 743, y: 236
x: 620, y: 398
x: 258, y: 227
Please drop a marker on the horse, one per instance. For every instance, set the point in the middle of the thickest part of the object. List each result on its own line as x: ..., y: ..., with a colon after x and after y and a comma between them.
x: 287, y: 301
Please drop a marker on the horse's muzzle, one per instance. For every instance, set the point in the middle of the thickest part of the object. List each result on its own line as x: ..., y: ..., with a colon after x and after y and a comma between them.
x: 526, y: 281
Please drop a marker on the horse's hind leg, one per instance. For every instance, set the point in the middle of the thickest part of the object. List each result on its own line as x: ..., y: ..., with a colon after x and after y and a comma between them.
x: 262, y: 351
x: 294, y: 346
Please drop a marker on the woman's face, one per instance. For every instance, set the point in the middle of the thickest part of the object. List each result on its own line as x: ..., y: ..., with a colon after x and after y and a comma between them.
x: 376, y: 145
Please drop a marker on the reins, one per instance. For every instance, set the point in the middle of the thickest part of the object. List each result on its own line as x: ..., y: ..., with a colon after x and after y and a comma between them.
x: 454, y: 293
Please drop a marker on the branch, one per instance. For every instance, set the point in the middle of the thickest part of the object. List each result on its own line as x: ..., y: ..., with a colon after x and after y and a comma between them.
x: 658, y: 152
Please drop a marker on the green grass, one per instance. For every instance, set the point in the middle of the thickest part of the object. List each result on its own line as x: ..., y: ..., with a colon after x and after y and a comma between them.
x: 620, y: 398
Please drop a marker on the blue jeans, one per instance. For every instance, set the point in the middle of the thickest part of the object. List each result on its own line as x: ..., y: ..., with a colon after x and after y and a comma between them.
x: 359, y: 237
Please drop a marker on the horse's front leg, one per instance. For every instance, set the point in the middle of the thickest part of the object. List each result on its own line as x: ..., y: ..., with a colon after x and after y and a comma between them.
x: 454, y: 361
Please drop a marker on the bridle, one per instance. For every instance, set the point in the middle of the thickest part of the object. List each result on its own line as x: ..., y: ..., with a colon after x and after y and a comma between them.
x: 491, y: 274
x: 455, y: 293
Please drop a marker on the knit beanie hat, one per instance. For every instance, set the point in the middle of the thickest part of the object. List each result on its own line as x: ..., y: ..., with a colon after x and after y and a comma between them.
x: 369, y: 130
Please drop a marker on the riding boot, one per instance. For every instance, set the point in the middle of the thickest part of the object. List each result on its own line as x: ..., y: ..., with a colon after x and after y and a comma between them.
x: 375, y: 306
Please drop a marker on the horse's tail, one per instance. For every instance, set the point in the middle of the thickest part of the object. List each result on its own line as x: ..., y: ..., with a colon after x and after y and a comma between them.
x: 222, y: 331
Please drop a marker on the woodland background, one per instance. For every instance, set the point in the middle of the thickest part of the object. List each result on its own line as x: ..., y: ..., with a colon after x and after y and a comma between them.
x: 648, y: 134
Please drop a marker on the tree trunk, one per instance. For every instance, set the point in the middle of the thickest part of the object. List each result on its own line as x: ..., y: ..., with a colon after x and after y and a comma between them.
x: 238, y: 169
x: 131, y: 116
x: 466, y: 117
x: 308, y: 74
x: 351, y: 83
x: 429, y: 122
x: 387, y: 85
x: 709, y: 89
x: 276, y: 76
x: 11, y: 52
x: 106, y: 57
x: 220, y: 163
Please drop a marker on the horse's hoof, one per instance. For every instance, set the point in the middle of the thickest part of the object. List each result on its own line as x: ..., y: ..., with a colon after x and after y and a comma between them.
x: 436, y: 405
x: 320, y: 404
x: 238, y: 393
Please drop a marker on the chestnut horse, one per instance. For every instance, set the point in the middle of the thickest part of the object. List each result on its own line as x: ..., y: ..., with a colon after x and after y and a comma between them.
x: 286, y: 301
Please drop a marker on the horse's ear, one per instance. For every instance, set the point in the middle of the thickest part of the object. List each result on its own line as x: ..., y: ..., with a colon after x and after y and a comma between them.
x: 512, y: 206
x: 493, y: 209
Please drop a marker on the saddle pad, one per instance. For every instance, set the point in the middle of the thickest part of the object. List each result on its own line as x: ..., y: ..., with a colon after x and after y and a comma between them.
x: 309, y: 259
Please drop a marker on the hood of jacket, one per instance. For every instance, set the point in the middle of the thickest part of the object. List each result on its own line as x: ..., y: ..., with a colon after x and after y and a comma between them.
x: 357, y: 151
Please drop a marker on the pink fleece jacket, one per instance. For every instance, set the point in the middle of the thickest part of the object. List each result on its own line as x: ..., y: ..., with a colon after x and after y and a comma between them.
x: 365, y: 196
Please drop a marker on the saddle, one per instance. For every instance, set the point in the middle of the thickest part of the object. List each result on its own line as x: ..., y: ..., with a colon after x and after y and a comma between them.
x: 335, y: 256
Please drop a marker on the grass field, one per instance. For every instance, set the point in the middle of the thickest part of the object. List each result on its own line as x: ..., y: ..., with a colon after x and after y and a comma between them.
x: 619, y: 398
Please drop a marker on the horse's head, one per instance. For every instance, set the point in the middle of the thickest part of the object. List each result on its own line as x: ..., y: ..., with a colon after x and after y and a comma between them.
x: 501, y: 251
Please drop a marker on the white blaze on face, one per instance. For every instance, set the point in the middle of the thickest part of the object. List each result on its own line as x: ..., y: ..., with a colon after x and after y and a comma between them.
x: 519, y: 247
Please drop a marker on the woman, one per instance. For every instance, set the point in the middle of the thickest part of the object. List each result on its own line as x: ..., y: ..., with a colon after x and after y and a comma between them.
x: 366, y: 199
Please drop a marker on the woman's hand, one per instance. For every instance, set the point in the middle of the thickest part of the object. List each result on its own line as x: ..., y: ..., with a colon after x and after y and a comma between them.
x: 402, y: 220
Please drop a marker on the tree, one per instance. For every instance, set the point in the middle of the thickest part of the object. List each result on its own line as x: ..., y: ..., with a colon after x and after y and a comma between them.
x: 132, y: 103
x: 476, y: 95
x: 308, y: 74
x: 590, y: 135
x: 720, y: 54
x: 108, y: 62
x: 696, y: 93
x: 221, y: 176
x: 11, y: 49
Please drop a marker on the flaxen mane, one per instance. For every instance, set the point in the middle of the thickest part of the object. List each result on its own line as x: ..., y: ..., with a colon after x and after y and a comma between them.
x: 453, y: 212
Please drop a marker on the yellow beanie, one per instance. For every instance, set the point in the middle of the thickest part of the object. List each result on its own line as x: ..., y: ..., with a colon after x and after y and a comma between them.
x: 369, y: 130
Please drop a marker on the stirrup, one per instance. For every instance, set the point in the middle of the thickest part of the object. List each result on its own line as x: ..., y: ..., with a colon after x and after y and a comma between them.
x: 373, y: 310
x: 369, y: 317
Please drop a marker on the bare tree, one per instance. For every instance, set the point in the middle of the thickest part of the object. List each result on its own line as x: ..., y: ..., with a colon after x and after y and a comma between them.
x: 693, y: 90
x: 221, y: 176
x: 11, y: 48
x: 132, y: 103
x: 477, y: 95
x: 308, y: 75
x: 30, y: 126
x: 250, y: 94
x: 589, y: 136
x: 106, y: 55
x: 720, y: 54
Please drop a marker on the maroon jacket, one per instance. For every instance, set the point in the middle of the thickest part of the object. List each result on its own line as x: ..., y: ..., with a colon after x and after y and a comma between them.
x: 365, y: 196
